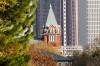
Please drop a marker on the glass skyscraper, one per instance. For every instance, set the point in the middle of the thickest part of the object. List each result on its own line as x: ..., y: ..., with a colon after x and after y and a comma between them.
x: 93, y: 20
x: 70, y: 23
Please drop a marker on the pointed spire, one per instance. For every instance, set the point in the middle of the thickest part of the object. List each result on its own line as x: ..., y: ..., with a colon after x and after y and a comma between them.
x: 50, y: 6
x: 51, y: 20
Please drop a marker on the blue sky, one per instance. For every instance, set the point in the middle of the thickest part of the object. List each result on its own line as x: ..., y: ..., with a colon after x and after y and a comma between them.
x: 82, y: 22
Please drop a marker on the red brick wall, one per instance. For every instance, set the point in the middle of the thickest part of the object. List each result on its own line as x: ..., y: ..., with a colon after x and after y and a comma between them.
x: 58, y: 41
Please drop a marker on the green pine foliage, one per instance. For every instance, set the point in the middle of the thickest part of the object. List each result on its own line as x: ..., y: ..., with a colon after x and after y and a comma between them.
x: 16, y: 20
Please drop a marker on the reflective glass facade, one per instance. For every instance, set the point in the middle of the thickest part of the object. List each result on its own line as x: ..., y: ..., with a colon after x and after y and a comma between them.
x: 70, y: 23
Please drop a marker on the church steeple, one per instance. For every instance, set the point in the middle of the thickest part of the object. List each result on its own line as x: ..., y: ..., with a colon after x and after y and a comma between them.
x: 52, y: 30
x: 51, y: 20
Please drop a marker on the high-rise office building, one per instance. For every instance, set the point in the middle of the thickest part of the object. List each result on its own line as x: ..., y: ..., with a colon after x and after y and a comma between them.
x: 70, y: 23
x: 93, y: 20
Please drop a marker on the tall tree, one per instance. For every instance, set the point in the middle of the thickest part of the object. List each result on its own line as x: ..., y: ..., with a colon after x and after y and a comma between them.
x: 17, y: 18
x: 16, y: 21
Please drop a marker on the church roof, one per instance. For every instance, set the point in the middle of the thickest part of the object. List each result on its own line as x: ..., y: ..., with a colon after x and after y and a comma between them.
x: 51, y: 20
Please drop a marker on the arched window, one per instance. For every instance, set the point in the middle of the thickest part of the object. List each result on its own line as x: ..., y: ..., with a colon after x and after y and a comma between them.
x: 52, y: 38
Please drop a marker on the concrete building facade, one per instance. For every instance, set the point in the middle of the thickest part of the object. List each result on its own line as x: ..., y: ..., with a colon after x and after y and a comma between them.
x: 93, y: 20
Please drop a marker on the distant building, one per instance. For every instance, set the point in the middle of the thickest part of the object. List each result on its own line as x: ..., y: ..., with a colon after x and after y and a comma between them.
x: 69, y: 28
x: 52, y: 36
x: 51, y: 31
x: 70, y: 50
x: 93, y: 20
x: 57, y: 23
x: 70, y: 23
x: 63, y: 61
x: 42, y: 14
x: 66, y: 15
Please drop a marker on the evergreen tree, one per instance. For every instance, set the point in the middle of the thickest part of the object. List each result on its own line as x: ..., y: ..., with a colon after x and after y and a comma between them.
x: 16, y: 21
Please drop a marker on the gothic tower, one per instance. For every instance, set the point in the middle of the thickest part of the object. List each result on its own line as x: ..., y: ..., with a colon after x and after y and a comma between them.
x: 51, y: 31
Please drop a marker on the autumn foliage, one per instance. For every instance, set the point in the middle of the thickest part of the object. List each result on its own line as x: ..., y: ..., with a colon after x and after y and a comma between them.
x: 40, y: 56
